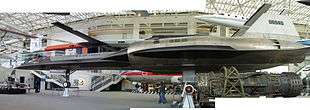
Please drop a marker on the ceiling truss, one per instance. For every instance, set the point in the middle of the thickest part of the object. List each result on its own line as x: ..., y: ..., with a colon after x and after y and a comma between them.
x: 27, y: 22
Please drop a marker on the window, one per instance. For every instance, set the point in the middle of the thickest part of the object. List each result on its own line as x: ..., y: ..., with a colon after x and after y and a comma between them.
x: 128, y: 25
x: 182, y: 24
x: 143, y: 25
x: 177, y: 40
x: 121, y: 42
x: 184, y: 40
x: 124, y: 35
x: 22, y: 79
x: 156, y: 25
x: 156, y: 42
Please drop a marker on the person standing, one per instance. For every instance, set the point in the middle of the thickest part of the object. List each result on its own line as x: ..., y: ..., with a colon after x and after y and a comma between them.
x: 162, y: 92
x: 137, y: 88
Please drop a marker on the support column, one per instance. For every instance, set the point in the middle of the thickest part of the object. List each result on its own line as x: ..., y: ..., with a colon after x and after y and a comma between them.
x: 191, y: 27
x: 189, y: 76
x: 42, y: 83
x: 307, y: 85
x: 188, y: 101
x: 136, y: 29
x: 67, y: 84
x: 222, y: 30
x: 188, y: 89
x: 227, y: 32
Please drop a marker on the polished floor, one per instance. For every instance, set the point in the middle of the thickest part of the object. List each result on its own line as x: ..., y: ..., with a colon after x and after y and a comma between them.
x: 84, y: 100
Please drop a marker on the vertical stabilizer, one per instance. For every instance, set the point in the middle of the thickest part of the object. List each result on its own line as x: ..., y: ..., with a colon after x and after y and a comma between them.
x: 263, y: 9
x: 273, y: 26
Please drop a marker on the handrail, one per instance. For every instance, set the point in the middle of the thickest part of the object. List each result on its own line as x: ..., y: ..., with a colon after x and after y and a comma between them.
x: 59, y: 80
x: 108, y: 82
x: 97, y: 80
x: 305, y: 64
x: 102, y: 84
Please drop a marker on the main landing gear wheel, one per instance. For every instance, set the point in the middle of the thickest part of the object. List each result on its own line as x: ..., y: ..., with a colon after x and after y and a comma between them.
x: 67, y: 84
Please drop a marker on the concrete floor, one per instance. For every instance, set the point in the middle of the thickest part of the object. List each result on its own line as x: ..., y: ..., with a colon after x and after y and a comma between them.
x: 85, y: 100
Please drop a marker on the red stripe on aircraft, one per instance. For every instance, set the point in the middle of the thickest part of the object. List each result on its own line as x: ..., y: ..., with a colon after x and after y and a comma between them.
x: 62, y: 47
x: 148, y: 74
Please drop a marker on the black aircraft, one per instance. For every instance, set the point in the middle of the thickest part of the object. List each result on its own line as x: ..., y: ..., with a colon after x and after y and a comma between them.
x: 262, y: 44
x: 246, y: 51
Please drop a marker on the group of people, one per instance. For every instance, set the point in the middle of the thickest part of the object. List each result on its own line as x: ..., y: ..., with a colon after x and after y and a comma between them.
x: 162, y: 90
x: 138, y: 88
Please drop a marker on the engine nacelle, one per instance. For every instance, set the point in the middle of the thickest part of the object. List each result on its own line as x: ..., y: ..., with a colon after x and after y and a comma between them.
x: 286, y: 84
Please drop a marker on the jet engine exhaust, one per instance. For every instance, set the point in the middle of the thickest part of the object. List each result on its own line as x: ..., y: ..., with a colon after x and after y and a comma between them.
x: 287, y: 84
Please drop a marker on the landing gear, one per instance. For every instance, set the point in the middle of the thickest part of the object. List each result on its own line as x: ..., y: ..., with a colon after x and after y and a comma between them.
x: 225, y: 82
x: 188, y: 96
x: 67, y: 83
x: 188, y: 89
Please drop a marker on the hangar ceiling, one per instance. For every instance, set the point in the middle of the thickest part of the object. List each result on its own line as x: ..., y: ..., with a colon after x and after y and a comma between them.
x: 31, y: 21
x: 299, y: 13
x: 26, y: 22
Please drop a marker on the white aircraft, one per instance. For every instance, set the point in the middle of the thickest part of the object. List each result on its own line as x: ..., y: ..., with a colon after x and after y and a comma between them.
x: 224, y: 19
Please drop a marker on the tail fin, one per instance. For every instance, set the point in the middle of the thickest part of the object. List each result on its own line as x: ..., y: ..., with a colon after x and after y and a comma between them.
x: 272, y: 26
x: 263, y: 9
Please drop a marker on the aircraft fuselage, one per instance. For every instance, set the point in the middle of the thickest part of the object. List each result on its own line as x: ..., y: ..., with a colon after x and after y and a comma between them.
x: 206, y: 53
x: 200, y: 53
